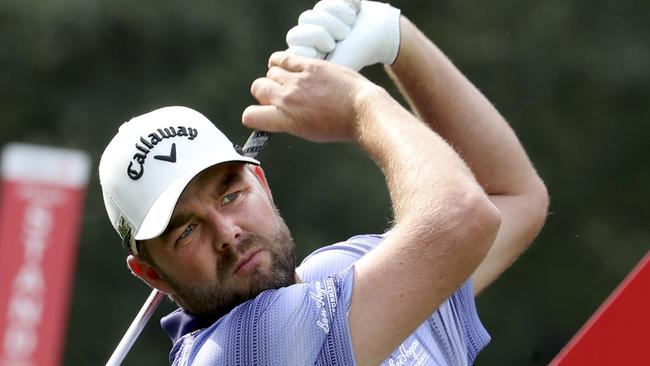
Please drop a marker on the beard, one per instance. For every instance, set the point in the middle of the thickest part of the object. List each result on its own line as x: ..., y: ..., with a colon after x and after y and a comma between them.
x: 214, y: 300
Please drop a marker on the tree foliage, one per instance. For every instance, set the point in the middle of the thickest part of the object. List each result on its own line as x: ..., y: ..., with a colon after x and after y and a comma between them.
x: 571, y: 77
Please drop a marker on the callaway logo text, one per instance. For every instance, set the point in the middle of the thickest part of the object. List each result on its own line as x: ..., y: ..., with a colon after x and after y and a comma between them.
x: 145, y: 145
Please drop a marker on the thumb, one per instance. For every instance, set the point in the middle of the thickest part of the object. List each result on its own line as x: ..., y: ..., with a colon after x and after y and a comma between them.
x: 265, y: 118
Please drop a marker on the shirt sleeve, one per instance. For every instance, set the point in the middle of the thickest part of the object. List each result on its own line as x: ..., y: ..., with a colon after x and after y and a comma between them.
x: 334, y: 258
x: 303, y: 324
x: 453, y: 334
x: 464, y: 306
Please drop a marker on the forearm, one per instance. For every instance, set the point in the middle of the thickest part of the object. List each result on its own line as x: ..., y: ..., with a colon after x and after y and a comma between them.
x: 446, y: 101
x: 442, y: 216
x: 411, y: 156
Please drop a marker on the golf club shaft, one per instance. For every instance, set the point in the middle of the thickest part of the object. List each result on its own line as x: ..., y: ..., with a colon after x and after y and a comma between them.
x: 252, y: 148
x: 135, y: 328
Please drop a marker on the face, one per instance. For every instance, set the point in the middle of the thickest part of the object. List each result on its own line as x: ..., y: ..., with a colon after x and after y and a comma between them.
x: 225, y: 242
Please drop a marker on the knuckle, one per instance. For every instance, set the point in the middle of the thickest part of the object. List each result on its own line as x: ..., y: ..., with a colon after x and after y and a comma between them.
x: 249, y: 116
x: 261, y: 90
x: 275, y: 58
x: 255, y: 87
x: 310, y: 68
x: 271, y: 72
x: 287, y: 97
x: 283, y: 60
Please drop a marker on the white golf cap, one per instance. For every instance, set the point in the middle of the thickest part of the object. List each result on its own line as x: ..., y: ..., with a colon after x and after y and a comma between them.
x: 147, y: 165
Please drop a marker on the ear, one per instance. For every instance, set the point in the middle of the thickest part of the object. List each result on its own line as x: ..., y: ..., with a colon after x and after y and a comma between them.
x: 147, y: 273
x: 259, y: 173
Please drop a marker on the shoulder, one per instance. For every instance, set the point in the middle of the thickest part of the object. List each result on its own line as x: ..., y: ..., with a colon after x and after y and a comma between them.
x: 336, y: 257
x: 356, y: 246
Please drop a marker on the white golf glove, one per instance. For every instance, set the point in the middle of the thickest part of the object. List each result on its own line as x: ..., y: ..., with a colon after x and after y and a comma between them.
x: 332, y: 29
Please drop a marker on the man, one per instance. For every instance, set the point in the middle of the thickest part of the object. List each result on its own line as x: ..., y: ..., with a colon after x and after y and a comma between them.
x: 199, y: 221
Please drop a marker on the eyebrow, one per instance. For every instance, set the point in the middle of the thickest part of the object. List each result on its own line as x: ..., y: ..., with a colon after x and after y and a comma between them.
x: 229, y: 179
x: 175, y: 222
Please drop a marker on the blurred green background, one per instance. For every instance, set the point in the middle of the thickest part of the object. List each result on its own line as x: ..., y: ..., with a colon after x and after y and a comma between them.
x: 572, y: 77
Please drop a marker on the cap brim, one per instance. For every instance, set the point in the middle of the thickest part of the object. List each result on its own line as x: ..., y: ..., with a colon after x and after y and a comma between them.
x: 160, y: 212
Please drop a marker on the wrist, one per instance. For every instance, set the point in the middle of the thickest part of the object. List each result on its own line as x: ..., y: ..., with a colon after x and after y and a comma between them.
x: 367, y: 104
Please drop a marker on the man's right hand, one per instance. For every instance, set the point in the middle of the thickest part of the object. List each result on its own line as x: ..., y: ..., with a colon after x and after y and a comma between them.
x: 309, y: 98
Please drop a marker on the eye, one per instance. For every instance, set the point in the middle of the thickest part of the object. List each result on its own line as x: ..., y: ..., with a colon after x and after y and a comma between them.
x: 229, y: 198
x: 188, y: 230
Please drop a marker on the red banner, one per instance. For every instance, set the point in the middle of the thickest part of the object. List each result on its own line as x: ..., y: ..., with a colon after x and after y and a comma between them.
x: 41, y: 199
x: 618, y: 332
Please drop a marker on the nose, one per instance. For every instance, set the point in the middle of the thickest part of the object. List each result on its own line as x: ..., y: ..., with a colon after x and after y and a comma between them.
x: 227, y: 234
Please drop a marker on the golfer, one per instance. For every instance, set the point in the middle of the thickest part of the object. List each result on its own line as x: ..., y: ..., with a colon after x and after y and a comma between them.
x: 200, y: 225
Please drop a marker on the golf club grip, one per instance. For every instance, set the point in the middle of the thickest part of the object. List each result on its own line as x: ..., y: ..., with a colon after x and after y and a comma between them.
x: 255, y: 143
x: 135, y: 328
x: 258, y: 139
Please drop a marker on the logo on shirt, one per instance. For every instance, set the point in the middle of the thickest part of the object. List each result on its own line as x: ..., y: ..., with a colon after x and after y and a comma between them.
x: 325, y: 299
x: 408, y: 355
